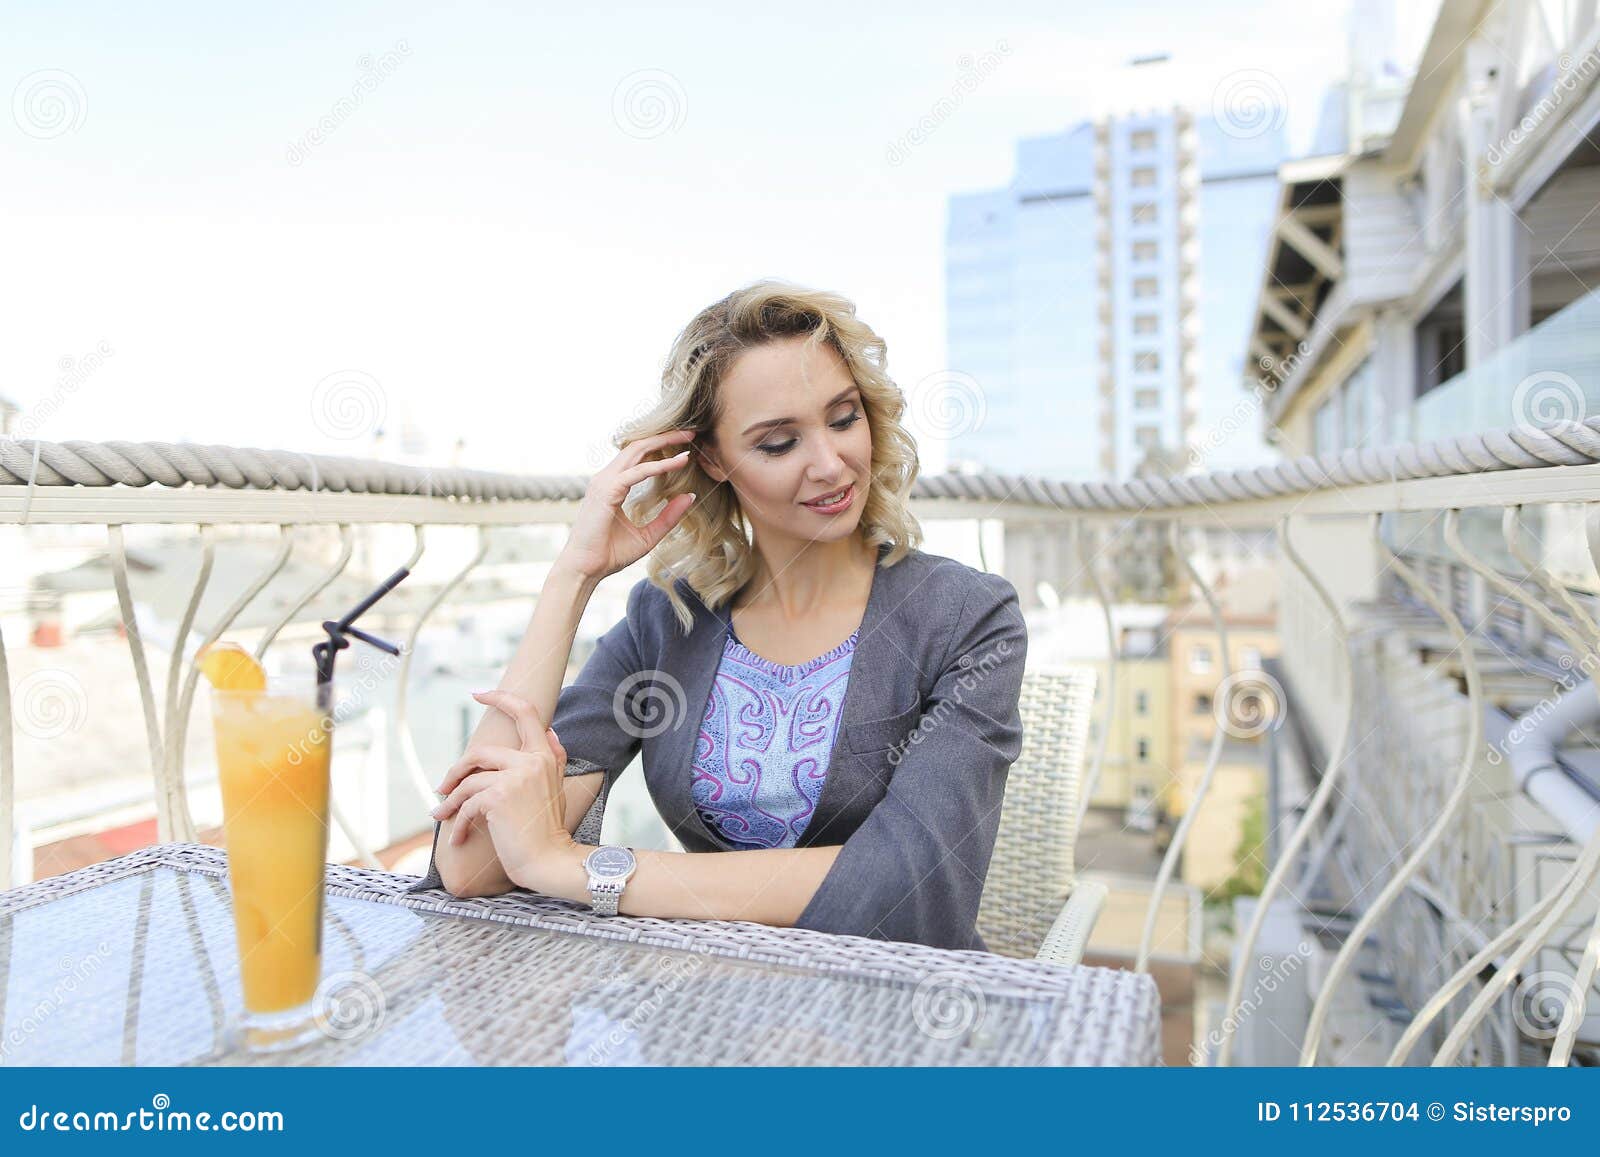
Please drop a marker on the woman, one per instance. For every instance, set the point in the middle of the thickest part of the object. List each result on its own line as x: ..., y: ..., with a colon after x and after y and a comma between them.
x: 826, y: 714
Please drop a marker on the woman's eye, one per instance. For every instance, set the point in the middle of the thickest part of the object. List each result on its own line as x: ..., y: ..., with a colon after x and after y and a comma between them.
x: 784, y: 447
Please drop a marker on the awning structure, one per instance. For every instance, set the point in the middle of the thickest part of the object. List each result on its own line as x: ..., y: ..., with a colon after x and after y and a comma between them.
x: 1305, y: 262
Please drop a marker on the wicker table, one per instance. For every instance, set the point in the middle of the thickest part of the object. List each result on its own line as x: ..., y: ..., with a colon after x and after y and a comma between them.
x: 132, y: 962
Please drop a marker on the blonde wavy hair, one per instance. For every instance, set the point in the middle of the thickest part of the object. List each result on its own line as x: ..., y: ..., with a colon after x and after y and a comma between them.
x: 711, y: 547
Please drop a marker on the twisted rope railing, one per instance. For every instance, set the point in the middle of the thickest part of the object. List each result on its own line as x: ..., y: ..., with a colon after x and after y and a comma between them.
x: 175, y: 464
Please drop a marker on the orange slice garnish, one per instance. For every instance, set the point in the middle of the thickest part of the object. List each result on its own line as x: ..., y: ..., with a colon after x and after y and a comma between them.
x: 229, y: 667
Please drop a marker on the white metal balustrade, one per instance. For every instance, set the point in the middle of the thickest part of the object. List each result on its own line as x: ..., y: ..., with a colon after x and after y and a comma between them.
x: 1405, y: 827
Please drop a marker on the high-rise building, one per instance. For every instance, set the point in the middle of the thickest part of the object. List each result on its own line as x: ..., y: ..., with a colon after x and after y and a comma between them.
x: 1100, y: 305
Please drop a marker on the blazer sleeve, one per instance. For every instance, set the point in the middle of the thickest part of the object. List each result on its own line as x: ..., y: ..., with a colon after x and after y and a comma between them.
x: 598, y: 719
x: 914, y: 869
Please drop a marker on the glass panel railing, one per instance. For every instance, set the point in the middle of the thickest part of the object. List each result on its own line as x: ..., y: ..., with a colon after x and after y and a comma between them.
x: 1550, y: 372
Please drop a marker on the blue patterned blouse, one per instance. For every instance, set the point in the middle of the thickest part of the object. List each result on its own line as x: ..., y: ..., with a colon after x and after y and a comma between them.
x: 762, y: 754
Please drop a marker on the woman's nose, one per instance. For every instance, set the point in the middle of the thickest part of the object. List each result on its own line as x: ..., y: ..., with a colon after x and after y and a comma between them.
x: 828, y: 467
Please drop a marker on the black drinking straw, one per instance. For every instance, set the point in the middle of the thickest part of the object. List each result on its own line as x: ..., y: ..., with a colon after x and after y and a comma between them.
x: 340, y: 633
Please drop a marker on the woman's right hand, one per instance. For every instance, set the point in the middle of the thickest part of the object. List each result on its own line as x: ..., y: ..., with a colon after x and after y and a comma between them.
x: 603, y: 539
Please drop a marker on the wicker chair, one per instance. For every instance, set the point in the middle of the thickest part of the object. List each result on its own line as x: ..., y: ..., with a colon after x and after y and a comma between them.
x: 1033, y: 904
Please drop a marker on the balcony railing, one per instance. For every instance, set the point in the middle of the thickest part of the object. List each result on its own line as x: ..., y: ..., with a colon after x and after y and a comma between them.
x: 1423, y: 852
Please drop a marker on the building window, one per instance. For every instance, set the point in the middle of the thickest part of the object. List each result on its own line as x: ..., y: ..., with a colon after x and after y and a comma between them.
x: 1146, y: 287
x: 1146, y: 323
x: 1199, y: 659
x: 1141, y: 702
x: 1145, y: 251
x: 1142, y: 178
x: 1144, y: 213
x: 1146, y: 399
x: 1146, y: 361
x: 1202, y: 704
x: 1147, y: 437
x: 1141, y: 748
x: 1250, y: 658
x: 1142, y: 140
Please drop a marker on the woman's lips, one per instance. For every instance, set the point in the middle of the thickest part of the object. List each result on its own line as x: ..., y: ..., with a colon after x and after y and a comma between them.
x: 842, y: 504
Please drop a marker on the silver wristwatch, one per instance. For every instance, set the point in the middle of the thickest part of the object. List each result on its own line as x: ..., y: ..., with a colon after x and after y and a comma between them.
x: 610, y: 866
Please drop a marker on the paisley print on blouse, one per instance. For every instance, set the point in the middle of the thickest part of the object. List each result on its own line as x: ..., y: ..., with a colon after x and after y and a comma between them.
x: 761, y: 757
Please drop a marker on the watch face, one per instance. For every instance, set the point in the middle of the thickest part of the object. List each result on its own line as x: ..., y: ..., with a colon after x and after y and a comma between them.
x: 610, y: 862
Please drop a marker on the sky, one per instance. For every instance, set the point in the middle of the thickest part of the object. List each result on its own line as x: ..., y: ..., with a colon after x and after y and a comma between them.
x: 288, y: 225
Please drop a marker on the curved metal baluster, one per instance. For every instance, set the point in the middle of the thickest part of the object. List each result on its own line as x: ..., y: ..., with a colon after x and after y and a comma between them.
x: 1578, y: 995
x: 1562, y: 900
x: 1569, y: 634
x: 177, y: 790
x: 1319, y: 798
x: 1473, y: 968
x: 1511, y: 530
x: 408, y: 745
x: 178, y: 713
x: 363, y: 852
x: 1582, y: 875
x: 1219, y: 737
x: 1577, y: 1005
x: 1109, y: 713
x: 346, y: 548
x: 1452, y: 803
x: 166, y: 805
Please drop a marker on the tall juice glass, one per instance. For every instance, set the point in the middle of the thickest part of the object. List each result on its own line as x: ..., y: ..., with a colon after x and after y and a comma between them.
x: 273, y: 749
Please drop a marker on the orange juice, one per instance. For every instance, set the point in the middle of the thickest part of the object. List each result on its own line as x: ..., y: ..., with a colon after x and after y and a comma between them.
x: 273, y: 750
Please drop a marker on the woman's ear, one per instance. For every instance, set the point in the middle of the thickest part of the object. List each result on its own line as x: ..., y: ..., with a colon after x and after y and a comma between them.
x: 709, y: 461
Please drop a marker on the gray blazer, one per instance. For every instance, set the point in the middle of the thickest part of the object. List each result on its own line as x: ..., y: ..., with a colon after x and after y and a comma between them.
x: 929, y: 729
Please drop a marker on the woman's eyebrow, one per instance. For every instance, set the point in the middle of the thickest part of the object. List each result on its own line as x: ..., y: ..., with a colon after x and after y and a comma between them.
x: 834, y: 401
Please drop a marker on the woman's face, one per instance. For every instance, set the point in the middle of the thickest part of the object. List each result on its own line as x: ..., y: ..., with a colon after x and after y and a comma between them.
x: 793, y: 429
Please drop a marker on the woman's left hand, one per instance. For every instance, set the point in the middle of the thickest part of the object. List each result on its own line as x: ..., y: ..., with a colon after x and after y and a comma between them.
x: 516, y: 793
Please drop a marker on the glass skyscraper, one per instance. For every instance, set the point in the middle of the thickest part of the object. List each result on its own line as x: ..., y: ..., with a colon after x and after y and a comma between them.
x: 1100, y: 305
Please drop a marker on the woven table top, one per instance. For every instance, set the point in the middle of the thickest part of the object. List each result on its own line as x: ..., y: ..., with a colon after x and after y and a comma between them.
x: 133, y: 962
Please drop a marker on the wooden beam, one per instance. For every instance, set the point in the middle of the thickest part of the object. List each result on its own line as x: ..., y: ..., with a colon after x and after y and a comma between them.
x: 1313, y: 248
